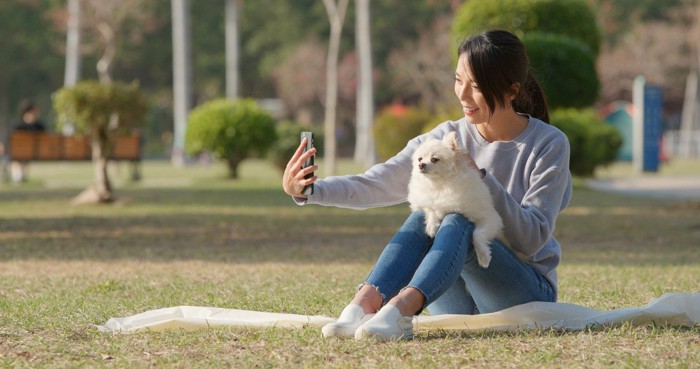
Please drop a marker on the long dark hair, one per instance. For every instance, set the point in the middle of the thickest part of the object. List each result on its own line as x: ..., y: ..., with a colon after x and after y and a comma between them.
x: 498, y: 61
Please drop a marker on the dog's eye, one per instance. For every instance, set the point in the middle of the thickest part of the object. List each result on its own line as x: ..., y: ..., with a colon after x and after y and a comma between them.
x: 420, y: 159
x: 434, y: 159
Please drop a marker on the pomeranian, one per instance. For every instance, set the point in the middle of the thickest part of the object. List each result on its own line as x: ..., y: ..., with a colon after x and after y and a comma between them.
x: 443, y: 182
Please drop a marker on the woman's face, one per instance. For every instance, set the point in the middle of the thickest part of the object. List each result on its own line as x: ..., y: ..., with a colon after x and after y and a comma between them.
x: 473, y: 103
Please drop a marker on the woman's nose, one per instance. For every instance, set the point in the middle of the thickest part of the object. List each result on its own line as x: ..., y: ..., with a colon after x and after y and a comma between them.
x: 462, y: 92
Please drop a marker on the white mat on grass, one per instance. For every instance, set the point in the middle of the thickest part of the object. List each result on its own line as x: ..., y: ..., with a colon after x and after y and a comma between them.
x: 669, y: 309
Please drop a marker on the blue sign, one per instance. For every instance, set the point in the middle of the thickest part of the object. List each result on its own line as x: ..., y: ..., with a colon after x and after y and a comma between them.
x: 653, y: 127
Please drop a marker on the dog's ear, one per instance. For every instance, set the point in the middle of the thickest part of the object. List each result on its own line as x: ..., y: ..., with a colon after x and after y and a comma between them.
x: 450, y: 140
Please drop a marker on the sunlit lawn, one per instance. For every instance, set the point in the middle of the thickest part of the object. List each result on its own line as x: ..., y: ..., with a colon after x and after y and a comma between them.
x: 190, y: 236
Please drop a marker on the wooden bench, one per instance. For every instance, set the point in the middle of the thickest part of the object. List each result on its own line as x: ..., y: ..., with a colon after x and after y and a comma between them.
x: 46, y: 146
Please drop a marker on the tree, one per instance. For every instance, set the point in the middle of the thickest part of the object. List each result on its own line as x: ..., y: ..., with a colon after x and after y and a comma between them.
x: 102, y: 111
x: 182, y: 86
x: 565, y: 68
x: 423, y: 70
x: 561, y: 36
x: 31, y: 66
x: 336, y: 17
x: 572, y: 18
x: 661, y: 50
x: 364, y: 142
x: 232, y: 48
x: 231, y: 130
x: 72, y: 74
x: 106, y: 20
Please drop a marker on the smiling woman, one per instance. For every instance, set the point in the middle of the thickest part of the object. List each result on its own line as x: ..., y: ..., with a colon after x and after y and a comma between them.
x: 525, y: 166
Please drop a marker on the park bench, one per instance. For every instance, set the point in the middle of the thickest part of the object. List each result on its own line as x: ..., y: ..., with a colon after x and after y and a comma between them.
x: 48, y: 146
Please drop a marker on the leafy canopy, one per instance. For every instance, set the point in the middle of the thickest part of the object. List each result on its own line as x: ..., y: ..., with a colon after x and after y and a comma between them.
x: 572, y: 18
x: 91, y: 106
x: 232, y: 130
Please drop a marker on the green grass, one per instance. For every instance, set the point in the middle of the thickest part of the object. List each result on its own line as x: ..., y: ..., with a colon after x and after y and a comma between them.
x: 190, y: 236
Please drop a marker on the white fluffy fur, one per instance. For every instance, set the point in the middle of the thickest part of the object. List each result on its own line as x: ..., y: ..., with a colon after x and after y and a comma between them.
x: 442, y: 182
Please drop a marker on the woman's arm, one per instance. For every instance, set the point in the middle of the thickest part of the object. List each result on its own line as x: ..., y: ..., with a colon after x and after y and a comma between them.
x: 529, y: 223
x: 384, y: 184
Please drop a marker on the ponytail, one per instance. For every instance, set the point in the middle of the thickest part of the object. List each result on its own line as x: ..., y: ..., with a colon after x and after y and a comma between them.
x: 531, y: 99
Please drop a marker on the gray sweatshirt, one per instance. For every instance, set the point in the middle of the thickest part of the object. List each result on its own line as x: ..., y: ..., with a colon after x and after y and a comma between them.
x: 528, y: 177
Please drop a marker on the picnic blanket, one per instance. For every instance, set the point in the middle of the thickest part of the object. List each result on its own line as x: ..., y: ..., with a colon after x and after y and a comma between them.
x: 669, y: 309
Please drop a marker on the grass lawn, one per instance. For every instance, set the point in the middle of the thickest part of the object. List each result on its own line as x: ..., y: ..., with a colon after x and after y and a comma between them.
x: 191, y: 237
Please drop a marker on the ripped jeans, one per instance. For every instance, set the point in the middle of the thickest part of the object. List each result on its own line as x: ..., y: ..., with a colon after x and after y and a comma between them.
x: 446, y: 271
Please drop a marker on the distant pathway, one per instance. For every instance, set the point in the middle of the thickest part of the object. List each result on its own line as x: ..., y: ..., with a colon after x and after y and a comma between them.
x: 682, y: 188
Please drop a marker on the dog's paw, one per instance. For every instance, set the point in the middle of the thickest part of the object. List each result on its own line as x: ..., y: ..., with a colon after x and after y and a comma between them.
x: 483, y: 255
x: 431, y: 229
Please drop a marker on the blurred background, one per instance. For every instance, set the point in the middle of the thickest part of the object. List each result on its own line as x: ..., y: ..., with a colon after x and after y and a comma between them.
x: 279, y: 54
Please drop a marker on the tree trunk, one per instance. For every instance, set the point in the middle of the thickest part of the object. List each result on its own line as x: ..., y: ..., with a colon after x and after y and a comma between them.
x: 182, y: 79
x: 103, y: 186
x: 104, y: 65
x: 72, y: 71
x: 233, y: 164
x: 100, y: 191
x: 336, y: 16
x: 232, y: 48
x: 364, y: 143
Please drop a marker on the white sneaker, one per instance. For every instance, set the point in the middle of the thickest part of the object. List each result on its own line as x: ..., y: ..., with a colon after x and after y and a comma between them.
x: 387, y: 324
x: 350, y: 318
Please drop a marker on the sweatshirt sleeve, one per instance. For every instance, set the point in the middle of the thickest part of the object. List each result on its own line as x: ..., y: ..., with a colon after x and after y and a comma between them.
x: 529, y: 224
x: 383, y: 184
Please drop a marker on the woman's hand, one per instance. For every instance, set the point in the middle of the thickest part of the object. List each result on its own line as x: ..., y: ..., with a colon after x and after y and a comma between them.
x: 293, y: 180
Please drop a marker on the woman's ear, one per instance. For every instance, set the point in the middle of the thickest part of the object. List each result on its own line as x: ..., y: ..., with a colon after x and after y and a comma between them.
x: 514, y: 90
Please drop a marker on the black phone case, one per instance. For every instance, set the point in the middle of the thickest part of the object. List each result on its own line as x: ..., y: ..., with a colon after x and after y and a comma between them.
x: 308, y: 190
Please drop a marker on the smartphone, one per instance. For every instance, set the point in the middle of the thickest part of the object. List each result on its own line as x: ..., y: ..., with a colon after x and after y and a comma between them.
x: 308, y: 190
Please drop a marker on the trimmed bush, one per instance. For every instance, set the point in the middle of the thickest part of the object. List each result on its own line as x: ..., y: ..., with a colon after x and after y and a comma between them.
x: 593, y: 143
x: 231, y: 130
x: 288, y: 139
x: 573, y: 18
x: 565, y: 68
x: 394, y: 127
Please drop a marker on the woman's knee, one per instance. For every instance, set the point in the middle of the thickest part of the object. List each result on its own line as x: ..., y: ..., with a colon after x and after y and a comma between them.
x: 459, y: 220
x: 415, y: 221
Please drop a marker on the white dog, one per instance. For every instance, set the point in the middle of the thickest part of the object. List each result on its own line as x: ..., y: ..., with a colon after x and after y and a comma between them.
x: 442, y: 182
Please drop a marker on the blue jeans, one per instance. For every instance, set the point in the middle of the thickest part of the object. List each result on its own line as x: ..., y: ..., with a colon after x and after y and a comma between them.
x: 446, y: 271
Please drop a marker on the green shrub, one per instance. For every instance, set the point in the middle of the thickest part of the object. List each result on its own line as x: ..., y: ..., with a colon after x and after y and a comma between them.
x: 565, y: 68
x: 231, y: 130
x: 573, y: 18
x: 288, y: 139
x: 393, y: 128
x: 593, y: 143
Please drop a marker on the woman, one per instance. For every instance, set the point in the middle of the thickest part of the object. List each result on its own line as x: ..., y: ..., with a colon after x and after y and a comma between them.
x: 524, y: 162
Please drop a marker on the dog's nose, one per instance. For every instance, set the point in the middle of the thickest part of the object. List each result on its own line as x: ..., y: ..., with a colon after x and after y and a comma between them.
x: 421, y: 166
